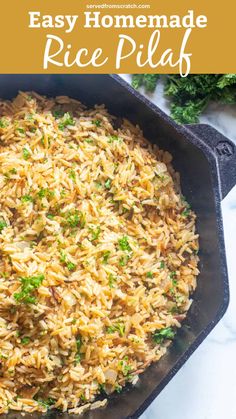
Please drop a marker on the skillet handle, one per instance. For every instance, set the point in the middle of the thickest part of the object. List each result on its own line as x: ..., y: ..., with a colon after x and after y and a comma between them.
x: 224, y: 151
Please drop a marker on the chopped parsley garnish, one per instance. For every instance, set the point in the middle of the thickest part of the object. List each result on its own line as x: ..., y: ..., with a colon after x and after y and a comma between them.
x: 63, y: 193
x: 46, y: 402
x: 77, y: 358
x: 162, y: 264
x: 118, y: 388
x: 149, y: 274
x: 45, y: 193
x: 28, y: 286
x: 82, y: 398
x: 72, y: 175
x: 97, y: 122
x: 13, y: 171
x: 95, y: 233
x: 118, y: 327
x: 63, y: 259
x: 29, y: 117
x: 106, y: 256
x: 66, y: 120
x: 107, y: 184
x: 71, y: 266
x: 124, y: 244
x: 101, y: 388
x: 21, y: 130
x: 78, y: 343
x: 174, y: 310
x: 50, y: 216
x: 26, y: 153
x: 27, y: 198
x: 125, y: 367
x: 78, y: 346
x: 113, y: 138
x: 57, y: 113
x: 3, y: 123
x: 89, y: 140
x: 25, y: 340
x: 123, y: 260
x: 111, y: 280
x: 174, y: 282
x: 3, y: 224
x: 185, y: 212
x: 160, y: 335
x: 74, y: 218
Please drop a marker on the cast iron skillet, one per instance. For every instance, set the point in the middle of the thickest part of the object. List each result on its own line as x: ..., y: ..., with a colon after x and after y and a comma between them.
x: 207, y: 164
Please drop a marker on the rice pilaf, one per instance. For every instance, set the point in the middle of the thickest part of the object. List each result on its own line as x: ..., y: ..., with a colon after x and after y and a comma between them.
x: 98, y: 254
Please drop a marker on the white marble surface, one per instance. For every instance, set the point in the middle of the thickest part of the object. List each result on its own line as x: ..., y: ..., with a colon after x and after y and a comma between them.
x: 205, y: 388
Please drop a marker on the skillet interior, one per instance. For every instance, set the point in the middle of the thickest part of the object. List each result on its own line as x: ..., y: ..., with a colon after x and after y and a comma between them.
x: 199, y: 185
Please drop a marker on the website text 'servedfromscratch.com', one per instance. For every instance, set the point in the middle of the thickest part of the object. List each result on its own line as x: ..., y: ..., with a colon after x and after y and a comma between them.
x: 118, y: 6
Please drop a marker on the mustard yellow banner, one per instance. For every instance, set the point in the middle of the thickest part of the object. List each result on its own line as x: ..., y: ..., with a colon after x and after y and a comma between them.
x: 119, y: 36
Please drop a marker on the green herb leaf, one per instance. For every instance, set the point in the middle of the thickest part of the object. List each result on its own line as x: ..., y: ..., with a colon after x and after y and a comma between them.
x: 25, y: 340
x: 27, y: 198
x: 113, y: 138
x: 28, y: 286
x: 72, y: 175
x: 118, y: 388
x: 149, y: 275
x: 101, y: 388
x: 186, y: 212
x: 13, y: 171
x: 47, y: 403
x: 65, y: 121
x: 149, y: 81
x: 57, y: 113
x: 77, y: 358
x: 118, y: 327
x: 4, y: 123
x: 107, y: 184
x: 62, y: 257
x: 106, y: 256
x: 20, y: 130
x: 45, y: 193
x: 97, y: 122
x: 71, y: 266
x: 26, y: 153
x: 75, y: 218
x: 78, y: 346
x: 160, y: 335
x: 3, y: 224
x: 111, y: 280
x: 124, y: 244
x: 124, y: 260
x: 95, y: 233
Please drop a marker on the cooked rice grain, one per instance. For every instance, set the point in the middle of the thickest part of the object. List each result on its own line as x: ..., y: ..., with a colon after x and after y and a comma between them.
x: 92, y: 219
